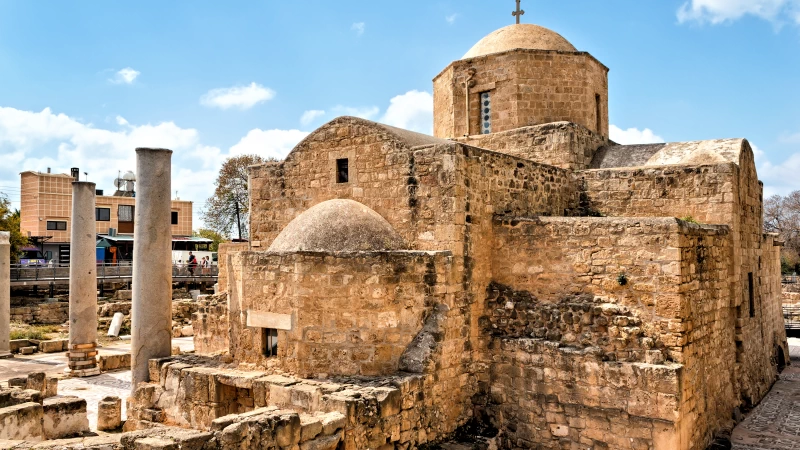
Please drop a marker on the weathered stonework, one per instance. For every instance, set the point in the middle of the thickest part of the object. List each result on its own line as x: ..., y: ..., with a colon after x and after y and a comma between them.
x: 538, y: 282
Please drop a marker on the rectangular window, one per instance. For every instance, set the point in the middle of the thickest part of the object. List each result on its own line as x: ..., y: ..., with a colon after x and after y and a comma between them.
x: 342, y: 170
x: 102, y: 214
x: 125, y: 213
x: 56, y: 225
x: 125, y: 218
x: 486, y: 113
x: 752, y: 294
x: 174, y: 217
x: 269, y: 342
x: 599, y: 114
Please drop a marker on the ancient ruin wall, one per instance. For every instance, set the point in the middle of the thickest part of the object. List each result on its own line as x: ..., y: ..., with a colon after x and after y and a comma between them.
x: 527, y: 87
x: 727, y: 194
x: 561, y: 144
x: 374, y: 304
x: 706, y: 193
x: 631, y: 290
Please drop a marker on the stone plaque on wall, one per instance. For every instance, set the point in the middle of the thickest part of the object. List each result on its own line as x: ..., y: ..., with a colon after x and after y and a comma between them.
x: 259, y: 319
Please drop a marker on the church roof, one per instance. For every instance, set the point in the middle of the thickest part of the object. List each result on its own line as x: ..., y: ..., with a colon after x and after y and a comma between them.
x: 338, y: 226
x: 525, y: 36
x: 674, y: 153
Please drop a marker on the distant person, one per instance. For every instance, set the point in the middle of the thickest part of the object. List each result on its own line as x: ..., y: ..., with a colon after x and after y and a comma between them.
x: 192, y: 263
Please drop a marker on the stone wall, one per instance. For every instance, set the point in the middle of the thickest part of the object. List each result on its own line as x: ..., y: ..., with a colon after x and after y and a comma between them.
x: 706, y: 193
x: 550, y: 397
x: 527, y: 87
x: 562, y: 144
x: 418, y: 191
x: 393, y: 412
x: 374, y: 305
x: 44, y: 313
x: 630, y: 290
x: 211, y: 325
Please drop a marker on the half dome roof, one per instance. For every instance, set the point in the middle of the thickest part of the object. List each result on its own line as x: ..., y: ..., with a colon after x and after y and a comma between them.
x: 338, y: 226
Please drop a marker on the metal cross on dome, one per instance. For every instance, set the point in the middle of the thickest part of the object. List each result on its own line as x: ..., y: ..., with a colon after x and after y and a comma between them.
x: 518, y: 13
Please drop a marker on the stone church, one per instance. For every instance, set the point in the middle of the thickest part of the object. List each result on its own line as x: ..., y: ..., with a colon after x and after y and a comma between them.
x: 517, y: 272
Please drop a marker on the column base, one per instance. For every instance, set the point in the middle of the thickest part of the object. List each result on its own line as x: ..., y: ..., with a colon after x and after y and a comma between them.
x: 80, y: 373
x: 6, y: 355
x: 82, y: 360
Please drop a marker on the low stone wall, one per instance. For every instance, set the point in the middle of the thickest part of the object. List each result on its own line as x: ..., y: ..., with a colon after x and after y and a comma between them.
x: 790, y: 298
x: 189, y: 391
x: 211, y: 325
x: 64, y: 417
x: 375, y: 305
x: 543, y: 394
x: 46, y: 313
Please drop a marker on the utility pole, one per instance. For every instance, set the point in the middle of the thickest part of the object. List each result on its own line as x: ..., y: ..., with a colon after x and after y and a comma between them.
x: 238, y: 220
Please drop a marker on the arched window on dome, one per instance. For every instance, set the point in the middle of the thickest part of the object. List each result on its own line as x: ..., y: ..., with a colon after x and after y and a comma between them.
x: 486, y: 113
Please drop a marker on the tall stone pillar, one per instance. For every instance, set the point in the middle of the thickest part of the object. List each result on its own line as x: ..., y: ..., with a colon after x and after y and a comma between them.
x: 5, y: 293
x: 83, y: 282
x: 151, y: 317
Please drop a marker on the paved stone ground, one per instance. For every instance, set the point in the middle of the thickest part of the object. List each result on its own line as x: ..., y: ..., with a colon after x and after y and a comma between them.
x: 93, y: 389
x: 775, y: 423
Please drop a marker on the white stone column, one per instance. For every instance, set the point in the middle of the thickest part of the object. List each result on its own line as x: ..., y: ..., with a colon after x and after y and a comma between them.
x: 151, y: 317
x: 83, y: 282
x: 5, y: 293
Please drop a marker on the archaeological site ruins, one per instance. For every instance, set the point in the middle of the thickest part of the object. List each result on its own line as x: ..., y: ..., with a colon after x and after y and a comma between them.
x: 517, y: 278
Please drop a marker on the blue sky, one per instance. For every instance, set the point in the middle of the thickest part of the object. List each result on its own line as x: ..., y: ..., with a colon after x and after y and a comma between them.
x: 84, y: 82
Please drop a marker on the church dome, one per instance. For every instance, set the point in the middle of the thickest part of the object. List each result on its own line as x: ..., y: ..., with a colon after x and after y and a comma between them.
x: 527, y: 36
x: 338, y: 226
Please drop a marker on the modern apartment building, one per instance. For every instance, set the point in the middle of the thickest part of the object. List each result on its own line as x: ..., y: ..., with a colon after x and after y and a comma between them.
x: 46, y: 205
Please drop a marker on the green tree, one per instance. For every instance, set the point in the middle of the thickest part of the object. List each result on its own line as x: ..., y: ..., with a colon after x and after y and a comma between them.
x: 210, y: 234
x: 10, y: 221
x: 227, y: 211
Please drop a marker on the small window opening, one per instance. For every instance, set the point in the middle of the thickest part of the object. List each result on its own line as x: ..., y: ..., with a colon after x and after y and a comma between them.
x: 342, y: 170
x: 269, y: 342
x: 486, y: 113
x: 102, y: 214
x: 598, y: 112
x: 56, y: 225
x: 174, y: 217
x: 751, y: 292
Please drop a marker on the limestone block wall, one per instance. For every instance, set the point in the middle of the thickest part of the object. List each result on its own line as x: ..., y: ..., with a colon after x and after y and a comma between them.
x: 403, y: 411
x: 706, y: 193
x: 350, y: 314
x: 45, y: 313
x: 625, y: 289
x: 728, y: 194
x: 381, y: 176
x: 527, y: 87
x: 211, y: 325
x: 419, y: 190
x: 544, y: 396
x: 225, y: 249
x: 561, y: 144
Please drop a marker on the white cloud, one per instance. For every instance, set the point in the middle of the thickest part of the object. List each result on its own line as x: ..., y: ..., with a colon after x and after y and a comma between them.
x: 359, y: 28
x: 633, y: 136
x: 451, y: 19
x: 722, y: 11
x: 125, y: 76
x: 242, y: 97
x: 32, y: 140
x: 310, y: 116
x: 268, y: 143
x: 790, y: 138
x: 364, y: 112
x: 412, y: 111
